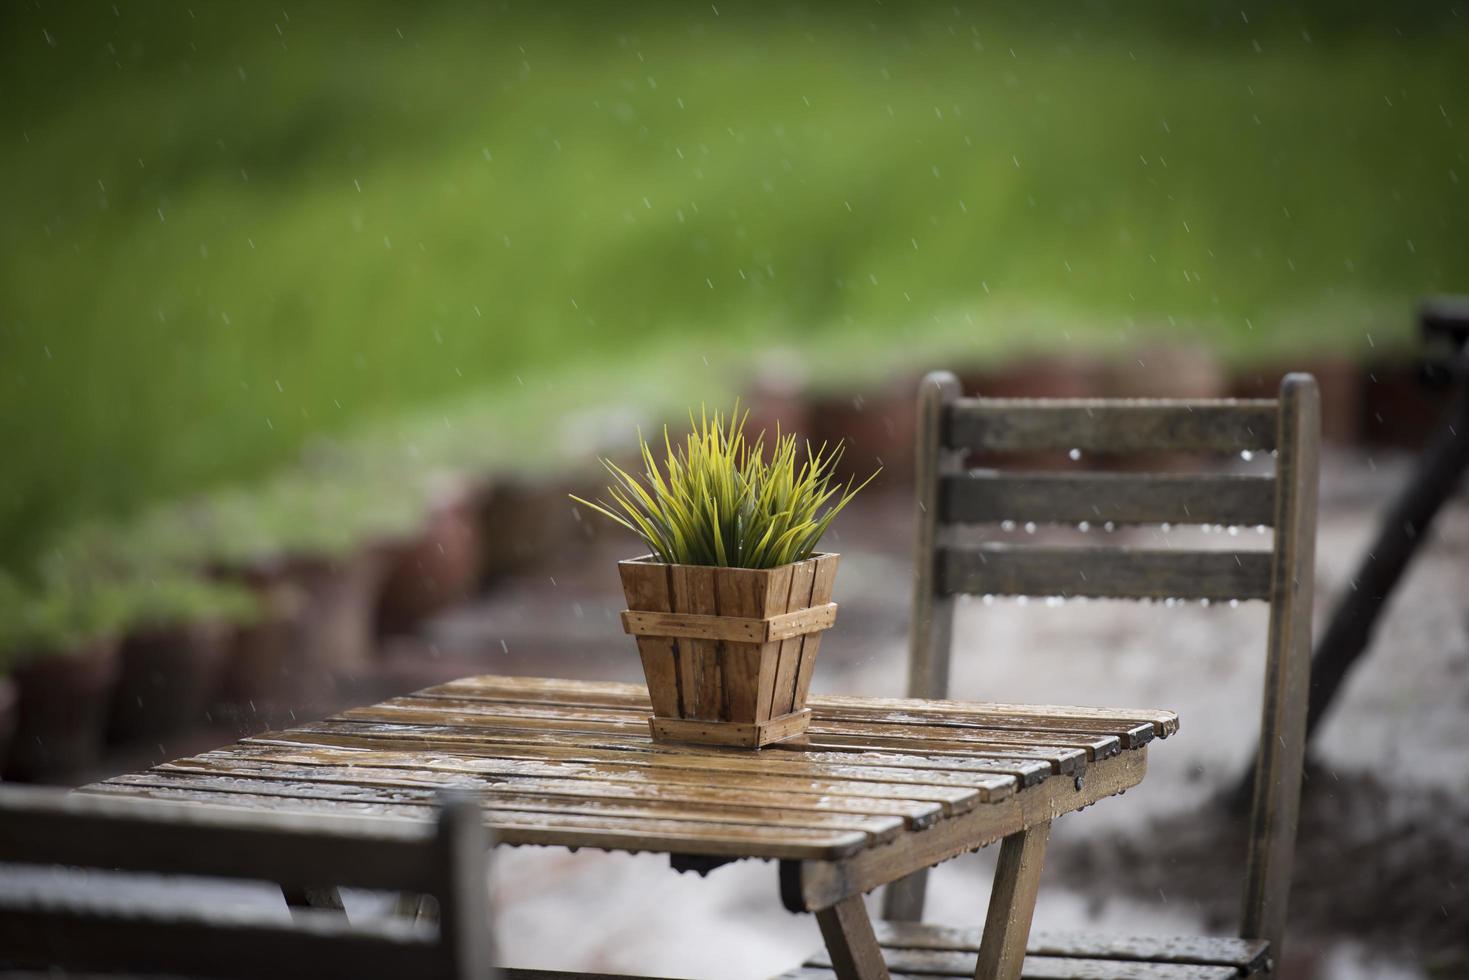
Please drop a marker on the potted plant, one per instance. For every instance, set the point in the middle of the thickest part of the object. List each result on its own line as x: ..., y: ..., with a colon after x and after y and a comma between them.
x: 10, y: 597
x: 438, y: 565
x: 328, y: 538
x: 267, y: 668
x: 228, y: 538
x: 314, y: 547
x: 9, y: 708
x: 729, y: 607
x: 62, y: 645
x: 172, y: 658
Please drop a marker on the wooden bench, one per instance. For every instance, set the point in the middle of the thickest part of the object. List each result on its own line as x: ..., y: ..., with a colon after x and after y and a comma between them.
x: 54, y: 930
x: 952, y: 427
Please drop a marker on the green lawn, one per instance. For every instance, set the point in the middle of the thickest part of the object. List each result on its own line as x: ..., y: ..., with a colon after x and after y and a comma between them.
x: 229, y: 228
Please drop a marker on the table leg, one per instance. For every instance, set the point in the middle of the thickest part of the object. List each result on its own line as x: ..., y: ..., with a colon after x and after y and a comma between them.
x: 416, y: 907
x: 298, y: 898
x: 902, y: 901
x: 1012, y: 903
x: 847, y: 929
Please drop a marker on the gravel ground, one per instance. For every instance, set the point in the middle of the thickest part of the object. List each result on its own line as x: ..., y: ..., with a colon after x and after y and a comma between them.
x: 1384, y: 850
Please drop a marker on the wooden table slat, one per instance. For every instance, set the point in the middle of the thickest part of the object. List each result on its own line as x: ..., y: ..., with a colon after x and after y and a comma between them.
x: 512, y: 798
x: 1164, y: 723
x: 572, y: 763
x: 1011, y: 767
x: 832, y: 768
x: 565, y: 830
x: 990, y: 779
x: 1096, y: 736
x: 541, y: 690
x: 836, y: 748
x: 953, y: 799
x: 1090, y: 733
x: 917, y: 813
x: 1002, y: 731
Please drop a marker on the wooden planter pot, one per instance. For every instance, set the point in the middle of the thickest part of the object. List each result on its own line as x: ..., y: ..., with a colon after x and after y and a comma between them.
x: 9, y: 715
x: 341, y: 602
x: 64, y: 698
x: 167, y: 676
x: 436, y: 568
x: 728, y: 652
x: 267, y: 666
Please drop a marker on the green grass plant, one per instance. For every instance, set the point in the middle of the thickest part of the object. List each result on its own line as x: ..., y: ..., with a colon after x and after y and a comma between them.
x: 723, y: 499
x: 175, y: 600
x: 231, y: 230
x: 78, y: 603
x: 57, y: 619
x: 298, y: 514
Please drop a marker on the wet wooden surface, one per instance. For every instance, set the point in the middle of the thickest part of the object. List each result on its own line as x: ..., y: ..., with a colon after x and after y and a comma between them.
x: 1105, y: 425
x: 942, y: 951
x: 571, y: 763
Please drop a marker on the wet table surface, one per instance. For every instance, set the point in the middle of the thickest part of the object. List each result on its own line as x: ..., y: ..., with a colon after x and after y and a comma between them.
x: 572, y: 763
x: 875, y: 790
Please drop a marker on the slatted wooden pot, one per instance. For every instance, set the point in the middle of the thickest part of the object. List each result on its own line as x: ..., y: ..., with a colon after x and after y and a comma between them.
x: 728, y: 652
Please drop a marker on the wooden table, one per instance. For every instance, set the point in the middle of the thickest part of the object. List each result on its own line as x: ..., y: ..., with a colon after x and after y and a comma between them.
x: 877, y: 789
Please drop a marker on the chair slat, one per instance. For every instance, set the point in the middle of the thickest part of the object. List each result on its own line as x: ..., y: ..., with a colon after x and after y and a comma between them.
x: 987, y: 496
x: 1107, y: 572
x: 227, y: 944
x: 1111, y: 426
x: 36, y: 827
x: 956, y: 964
x: 1245, y: 955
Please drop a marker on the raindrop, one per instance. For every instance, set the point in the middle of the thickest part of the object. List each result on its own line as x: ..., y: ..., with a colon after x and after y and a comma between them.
x: 1023, y: 600
x: 1233, y: 603
x: 1109, y: 527
x: 1166, y: 527
x: 1233, y: 531
x: 1030, y: 527
x: 1054, y: 600
x: 1204, y: 603
x: 1246, y: 455
x: 1075, y: 454
x: 1007, y: 525
x: 1084, y: 527
x: 989, y: 600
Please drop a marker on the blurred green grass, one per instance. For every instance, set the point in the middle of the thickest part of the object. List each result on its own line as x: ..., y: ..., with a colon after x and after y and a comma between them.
x: 229, y: 229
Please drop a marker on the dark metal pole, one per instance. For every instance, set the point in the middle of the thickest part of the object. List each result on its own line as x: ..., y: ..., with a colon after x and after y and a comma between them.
x: 1439, y: 470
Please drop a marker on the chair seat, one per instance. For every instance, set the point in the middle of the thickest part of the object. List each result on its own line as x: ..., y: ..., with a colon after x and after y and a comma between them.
x: 531, y: 974
x: 918, y: 949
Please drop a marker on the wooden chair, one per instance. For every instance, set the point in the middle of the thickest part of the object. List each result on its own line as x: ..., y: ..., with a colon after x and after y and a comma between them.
x: 56, y: 932
x: 446, y: 859
x: 951, y: 426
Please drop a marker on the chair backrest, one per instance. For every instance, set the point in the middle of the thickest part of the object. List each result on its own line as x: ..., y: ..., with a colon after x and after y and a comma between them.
x: 56, y: 929
x: 951, y: 426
